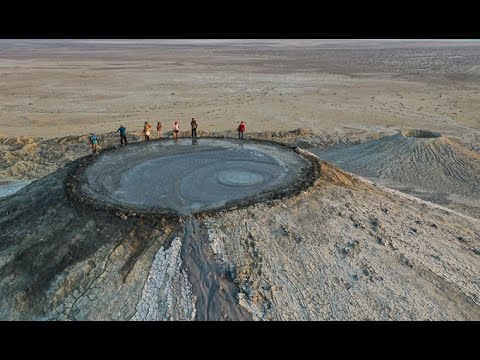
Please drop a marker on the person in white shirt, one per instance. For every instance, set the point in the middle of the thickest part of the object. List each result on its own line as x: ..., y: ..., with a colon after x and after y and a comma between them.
x: 176, y: 128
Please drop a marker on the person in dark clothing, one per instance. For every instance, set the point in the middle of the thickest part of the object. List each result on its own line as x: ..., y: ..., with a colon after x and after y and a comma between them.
x: 123, y: 135
x: 241, y: 130
x: 194, y: 125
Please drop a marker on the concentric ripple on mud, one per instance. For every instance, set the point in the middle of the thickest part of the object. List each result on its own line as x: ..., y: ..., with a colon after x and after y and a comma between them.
x: 189, y: 178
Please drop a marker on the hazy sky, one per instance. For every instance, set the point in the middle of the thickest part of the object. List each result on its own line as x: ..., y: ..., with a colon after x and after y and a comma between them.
x: 334, y: 43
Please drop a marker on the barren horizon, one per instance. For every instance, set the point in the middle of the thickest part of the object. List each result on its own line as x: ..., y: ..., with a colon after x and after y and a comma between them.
x: 354, y: 195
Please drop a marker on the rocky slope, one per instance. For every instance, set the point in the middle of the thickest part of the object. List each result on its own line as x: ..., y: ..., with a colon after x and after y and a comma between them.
x: 418, y: 162
x: 343, y: 249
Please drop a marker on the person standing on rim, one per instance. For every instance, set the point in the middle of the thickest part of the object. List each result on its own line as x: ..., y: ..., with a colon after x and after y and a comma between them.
x: 123, y: 135
x: 159, y: 130
x: 176, y: 129
x: 194, y: 125
x: 94, y: 142
x: 146, y: 130
x: 241, y: 130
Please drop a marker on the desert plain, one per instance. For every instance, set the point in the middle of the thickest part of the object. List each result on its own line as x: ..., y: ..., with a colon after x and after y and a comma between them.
x: 356, y: 191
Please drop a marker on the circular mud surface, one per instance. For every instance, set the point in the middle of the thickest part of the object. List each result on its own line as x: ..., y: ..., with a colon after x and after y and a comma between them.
x: 426, y: 134
x: 186, y: 178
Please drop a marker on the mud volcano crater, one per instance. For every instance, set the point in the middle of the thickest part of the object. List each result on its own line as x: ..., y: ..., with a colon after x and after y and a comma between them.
x: 426, y: 134
x: 179, y: 178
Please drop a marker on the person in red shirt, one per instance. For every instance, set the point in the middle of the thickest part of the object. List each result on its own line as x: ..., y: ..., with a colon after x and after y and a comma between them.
x: 241, y: 130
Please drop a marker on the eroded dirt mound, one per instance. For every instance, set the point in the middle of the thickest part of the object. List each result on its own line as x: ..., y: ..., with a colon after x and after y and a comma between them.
x: 418, y: 162
x: 62, y: 260
x: 30, y: 158
x: 349, y: 253
x: 341, y: 249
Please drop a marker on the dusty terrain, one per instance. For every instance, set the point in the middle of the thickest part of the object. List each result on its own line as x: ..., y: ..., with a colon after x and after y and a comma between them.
x: 340, y: 90
x: 52, y: 89
x: 421, y: 163
x: 341, y: 248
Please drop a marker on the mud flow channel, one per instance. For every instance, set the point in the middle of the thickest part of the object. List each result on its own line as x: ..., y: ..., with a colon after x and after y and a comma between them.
x: 216, y: 293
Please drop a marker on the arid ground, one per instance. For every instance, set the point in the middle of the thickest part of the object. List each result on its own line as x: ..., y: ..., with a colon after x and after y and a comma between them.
x: 395, y: 238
